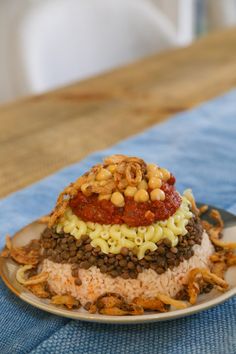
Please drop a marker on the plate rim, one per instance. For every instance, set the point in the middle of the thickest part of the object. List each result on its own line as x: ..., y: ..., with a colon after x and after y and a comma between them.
x: 145, y: 318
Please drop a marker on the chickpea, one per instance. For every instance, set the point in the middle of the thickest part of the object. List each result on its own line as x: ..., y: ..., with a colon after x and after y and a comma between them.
x: 130, y: 191
x: 157, y: 173
x: 118, y: 199
x: 103, y: 174
x: 154, y: 182
x: 122, y: 184
x: 85, y: 189
x: 141, y: 196
x: 154, y: 171
x: 143, y: 184
x: 157, y: 194
x: 111, y: 168
x: 104, y: 197
x: 166, y: 174
x: 151, y: 167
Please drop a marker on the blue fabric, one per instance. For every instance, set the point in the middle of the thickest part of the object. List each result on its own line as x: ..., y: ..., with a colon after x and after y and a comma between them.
x: 199, y: 147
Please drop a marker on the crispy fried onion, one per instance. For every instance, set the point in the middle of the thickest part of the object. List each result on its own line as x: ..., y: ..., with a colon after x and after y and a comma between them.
x: 39, y: 290
x: 8, y: 242
x: 189, y: 195
x: 197, y: 277
x: 90, y: 307
x: 129, y: 170
x: 65, y: 196
x: 219, y: 269
x: 6, y: 251
x: 44, y: 219
x: 118, y: 159
x: 211, y: 278
x: 112, y: 304
x: 133, y: 173
x: 122, y: 184
x: 109, y: 300
x: 151, y: 304
x: 206, y: 225
x: 231, y: 259
x: 66, y: 300
x: 193, y: 287
x: 63, y: 200
x: 169, y: 301
x: 215, y: 231
x: 36, y: 279
x: 119, y: 173
x: 103, y: 187
x: 99, y: 187
x: 203, y: 209
x: 22, y: 256
x: 221, y: 261
x: 114, y: 159
x: 29, y: 254
x: 116, y: 311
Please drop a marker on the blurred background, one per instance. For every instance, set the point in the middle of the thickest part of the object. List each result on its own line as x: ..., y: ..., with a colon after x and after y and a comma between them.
x: 45, y: 44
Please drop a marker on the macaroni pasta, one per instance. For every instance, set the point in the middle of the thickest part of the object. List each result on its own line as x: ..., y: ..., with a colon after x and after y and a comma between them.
x: 111, y: 238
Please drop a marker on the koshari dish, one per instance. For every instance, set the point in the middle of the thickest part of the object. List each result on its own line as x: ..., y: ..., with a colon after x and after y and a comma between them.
x: 121, y: 240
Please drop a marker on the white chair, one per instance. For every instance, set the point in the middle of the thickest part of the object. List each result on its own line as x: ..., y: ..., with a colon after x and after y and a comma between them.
x: 182, y: 15
x: 59, y: 41
x: 220, y: 13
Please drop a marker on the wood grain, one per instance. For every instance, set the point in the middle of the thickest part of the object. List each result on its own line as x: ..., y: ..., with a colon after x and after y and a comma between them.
x: 41, y: 134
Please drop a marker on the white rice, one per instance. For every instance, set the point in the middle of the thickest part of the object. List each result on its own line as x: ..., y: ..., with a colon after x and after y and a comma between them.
x: 148, y: 283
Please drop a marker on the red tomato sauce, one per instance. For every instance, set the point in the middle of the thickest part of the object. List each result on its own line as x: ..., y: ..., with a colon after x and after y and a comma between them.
x: 132, y: 214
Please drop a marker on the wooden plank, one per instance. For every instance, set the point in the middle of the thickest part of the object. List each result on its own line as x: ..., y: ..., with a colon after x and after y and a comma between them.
x: 41, y: 134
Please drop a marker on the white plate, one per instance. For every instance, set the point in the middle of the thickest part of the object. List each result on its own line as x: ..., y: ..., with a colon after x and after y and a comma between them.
x: 8, y: 270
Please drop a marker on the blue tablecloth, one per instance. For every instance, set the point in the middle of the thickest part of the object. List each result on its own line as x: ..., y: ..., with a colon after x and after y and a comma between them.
x: 199, y: 147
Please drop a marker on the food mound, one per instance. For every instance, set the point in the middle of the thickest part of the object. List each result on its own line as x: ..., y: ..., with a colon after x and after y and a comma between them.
x: 122, y: 240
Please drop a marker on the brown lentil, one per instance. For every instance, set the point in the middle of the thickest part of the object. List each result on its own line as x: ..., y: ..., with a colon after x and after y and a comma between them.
x: 87, y: 255
x: 103, y: 269
x: 114, y: 273
x: 119, y: 257
x: 123, y: 263
x: 125, y: 275
x: 87, y: 305
x: 71, y: 239
x: 88, y: 247
x: 84, y: 237
x: 63, y: 248
x: 74, y: 266
x: 130, y: 265
x: 78, y: 281
x: 85, y: 265
x: 74, y: 272
x: 111, y: 260
x: 92, y: 260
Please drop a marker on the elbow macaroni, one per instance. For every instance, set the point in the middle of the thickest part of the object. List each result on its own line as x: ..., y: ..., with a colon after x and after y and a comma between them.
x: 111, y: 238
x: 102, y: 244
x: 151, y: 246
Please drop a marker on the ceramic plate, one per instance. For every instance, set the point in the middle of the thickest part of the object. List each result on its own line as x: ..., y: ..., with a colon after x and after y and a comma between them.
x: 8, y: 270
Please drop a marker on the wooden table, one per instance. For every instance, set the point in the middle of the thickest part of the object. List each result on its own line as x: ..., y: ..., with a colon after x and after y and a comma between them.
x: 41, y: 134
